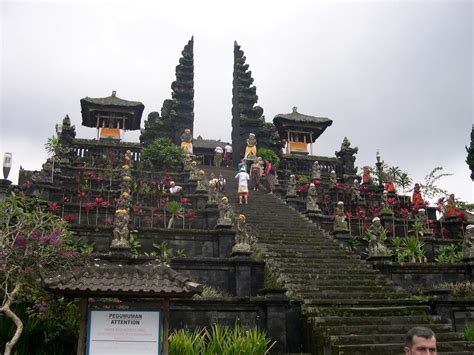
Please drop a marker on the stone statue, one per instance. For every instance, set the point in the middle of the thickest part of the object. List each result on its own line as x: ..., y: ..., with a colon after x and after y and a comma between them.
x: 187, y: 141
x: 384, y: 206
x: 202, y: 184
x: 366, y: 177
x: 291, y: 188
x: 242, y: 239
x: 417, y: 198
x: 468, y: 242
x: 312, y: 199
x: 187, y: 162
x: 194, y: 171
x: 251, y: 149
x: 316, y: 171
x: 376, y: 231
x: 212, y: 193
x: 332, y: 179
x: 121, y: 230
x: 355, y: 192
x: 340, y: 222
x: 226, y: 213
x: 347, y: 158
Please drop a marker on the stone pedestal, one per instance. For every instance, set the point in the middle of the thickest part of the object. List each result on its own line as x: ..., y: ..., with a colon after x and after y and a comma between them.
x: 201, y: 199
x: 380, y: 260
x: 342, y: 235
x: 212, y: 214
x: 4, y: 185
x: 454, y: 227
x: 317, y: 216
x: 243, y: 271
x: 119, y: 254
x: 296, y: 203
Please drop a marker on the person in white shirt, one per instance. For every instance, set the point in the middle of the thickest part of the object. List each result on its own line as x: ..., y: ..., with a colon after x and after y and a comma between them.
x: 175, y: 190
x: 228, y: 155
x: 243, y: 189
x: 218, y: 155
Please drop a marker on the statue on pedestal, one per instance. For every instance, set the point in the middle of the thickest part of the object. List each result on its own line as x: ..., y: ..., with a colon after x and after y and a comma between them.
x: 366, y: 177
x: 340, y: 221
x: 242, y: 239
x: 194, y: 171
x: 332, y: 179
x: 187, y: 141
x: 376, y: 232
x: 312, y: 199
x: 417, y: 199
x: 355, y: 192
x: 202, y: 184
x: 291, y: 188
x: 316, y: 171
x: 121, y: 230
x: 212, y: 193
x: 251, y: 149
x: 187, y: 162
x: 468, y: 242
x: 385, y: 207
x: 226, y: 213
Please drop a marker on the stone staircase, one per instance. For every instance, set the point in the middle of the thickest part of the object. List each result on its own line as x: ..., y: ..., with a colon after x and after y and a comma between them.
x: 349, y: 308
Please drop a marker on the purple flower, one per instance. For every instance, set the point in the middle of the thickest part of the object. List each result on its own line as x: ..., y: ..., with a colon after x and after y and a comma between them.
x: 39, y: 307
x: 20, y: 240
x: 35, y: 235
x: 72, y: 254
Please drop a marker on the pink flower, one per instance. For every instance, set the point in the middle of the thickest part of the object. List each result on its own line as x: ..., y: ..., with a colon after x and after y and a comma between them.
x: 20, y: 241
x: 108, y: 221
x: 72, y: 254
x: 184, y: 201
x: 98, y: 201
x: 190, y: 215
x: 392, y: 201
x: 349, y: 214
x: 40, y: 307
x: 106, y: 204
x: 53, y: 206
x: 404, y: 213
x: 69, y: 218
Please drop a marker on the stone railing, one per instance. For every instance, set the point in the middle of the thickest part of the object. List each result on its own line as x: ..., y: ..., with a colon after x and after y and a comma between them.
x: 301, y: 165
x: 85, y: 148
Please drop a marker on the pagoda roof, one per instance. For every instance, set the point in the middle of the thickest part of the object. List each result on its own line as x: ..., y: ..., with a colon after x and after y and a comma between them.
x: 104, y: 278
x: 199, y: 142
x: 132, y: 110
x: 299, y: 122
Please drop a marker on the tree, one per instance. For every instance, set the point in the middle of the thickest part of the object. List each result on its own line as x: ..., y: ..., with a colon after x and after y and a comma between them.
x: 429, y: 188
x: 32, y: 242
x: 268, y: 154
x: 163, y: 154
x: 470, y: 154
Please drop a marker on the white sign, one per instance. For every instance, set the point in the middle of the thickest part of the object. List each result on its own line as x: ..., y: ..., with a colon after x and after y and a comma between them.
x: 131, y: 332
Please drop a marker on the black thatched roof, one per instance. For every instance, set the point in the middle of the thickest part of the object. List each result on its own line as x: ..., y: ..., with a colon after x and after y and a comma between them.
x: 132, y: 110
x: 299, y: 122
x: 201, y: 143
x: 103, y: 278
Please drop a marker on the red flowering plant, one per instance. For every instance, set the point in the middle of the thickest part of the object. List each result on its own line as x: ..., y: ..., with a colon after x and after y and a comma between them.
x: 69, y: 218
x: 361, y: 217
x: 405, y: 214
x: 302, y: 188
x: 34, y: 244
x: 89, y: 206
x: 190, y: 217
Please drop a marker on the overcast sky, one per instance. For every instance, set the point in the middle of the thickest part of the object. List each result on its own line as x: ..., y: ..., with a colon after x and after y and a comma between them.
x: 393, y: 75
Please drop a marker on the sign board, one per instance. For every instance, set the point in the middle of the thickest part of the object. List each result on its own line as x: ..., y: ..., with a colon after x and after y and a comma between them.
x: 130, y: 332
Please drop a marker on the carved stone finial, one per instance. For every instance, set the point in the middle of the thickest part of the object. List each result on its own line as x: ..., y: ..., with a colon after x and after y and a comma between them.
x: 295, y: 109
x: 114, y: 93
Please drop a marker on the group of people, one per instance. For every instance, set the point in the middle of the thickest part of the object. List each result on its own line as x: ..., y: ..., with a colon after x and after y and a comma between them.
x: 258, y: 169
x: 223, y: 156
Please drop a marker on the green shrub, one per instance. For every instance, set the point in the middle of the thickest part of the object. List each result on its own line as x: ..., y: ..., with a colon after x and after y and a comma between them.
x: 460, y: 289
x: 163, y: 154
x: 469, y: 332
x: 451, y: 253
x: 220, y: 339
x: 268, y: 154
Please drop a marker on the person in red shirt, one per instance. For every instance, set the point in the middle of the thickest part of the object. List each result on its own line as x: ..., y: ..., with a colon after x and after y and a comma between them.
x: 269, y: 170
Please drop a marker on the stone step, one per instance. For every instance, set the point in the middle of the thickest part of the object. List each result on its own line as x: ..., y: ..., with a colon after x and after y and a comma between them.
x: 367, y: 311
x: 444, y: 348
x: 354, y: 289
x: 384, y: 320
x: 343, y: 278
x: 358, y: 269
x: 374, y: 329
x: 381, y: 338
x: 339, y: 295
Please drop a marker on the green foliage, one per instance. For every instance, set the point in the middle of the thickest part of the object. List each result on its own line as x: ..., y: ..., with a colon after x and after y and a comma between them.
x: 220, y: 339
x: 469, y: 332
x: 135, y: 244
x: 33, y: 242
x: 163, y: 154
x: 451, y: 253
x: 164, y: 252
x: 176, y: 211
x: 52, y: 332
x: 409, y: 249
x: 470, y: 151
x: 268, y: 154
x: 353, y: 243
x: 52, y: 146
